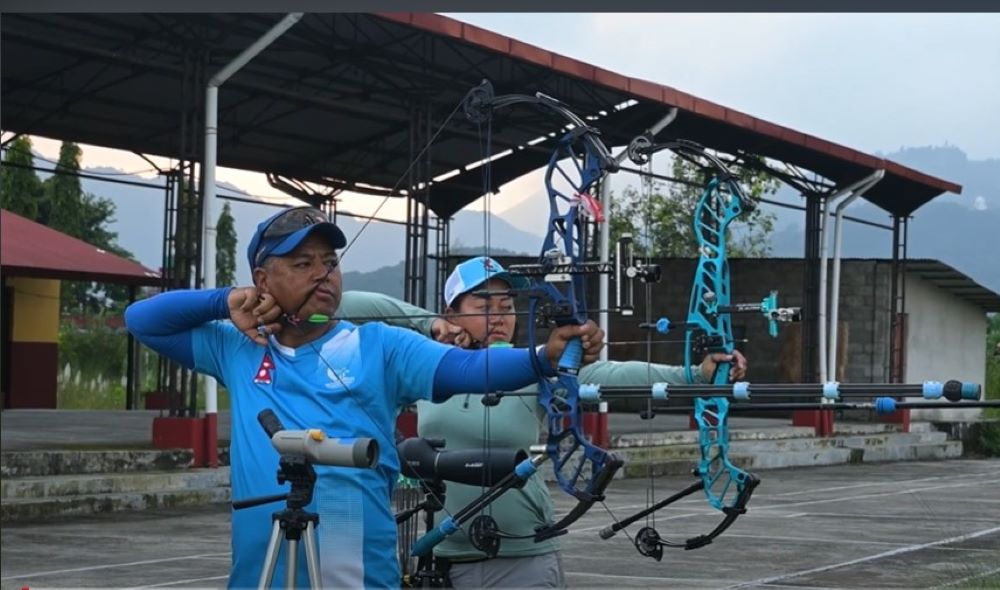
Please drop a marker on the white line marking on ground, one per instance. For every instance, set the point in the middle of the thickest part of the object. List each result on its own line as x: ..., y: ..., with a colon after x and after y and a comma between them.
x: 892, y: 553
x: 872, y: 484
x: 90, y: 568
x: 175, y: 582
x: 874, y: 495
x: 756, y: 510
x: 850, y: 542
x: 699, y: 499
x: 813, y: 540
x: 931, y: 516
x: 658, y: 579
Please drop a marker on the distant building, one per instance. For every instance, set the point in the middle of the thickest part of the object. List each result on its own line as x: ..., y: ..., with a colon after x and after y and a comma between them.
x: 33, y: 261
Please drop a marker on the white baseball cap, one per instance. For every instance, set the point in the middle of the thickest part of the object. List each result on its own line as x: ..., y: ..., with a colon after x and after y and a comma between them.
x: 473, y: 273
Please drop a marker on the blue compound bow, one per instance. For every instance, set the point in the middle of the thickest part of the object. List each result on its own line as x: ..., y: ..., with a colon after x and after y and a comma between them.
x: 557, y: 298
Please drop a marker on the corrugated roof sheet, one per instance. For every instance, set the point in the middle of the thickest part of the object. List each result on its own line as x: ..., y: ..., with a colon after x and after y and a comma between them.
x: 34, y: 250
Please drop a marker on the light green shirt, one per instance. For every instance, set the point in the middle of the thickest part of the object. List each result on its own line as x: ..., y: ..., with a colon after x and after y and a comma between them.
x: 516, y: 422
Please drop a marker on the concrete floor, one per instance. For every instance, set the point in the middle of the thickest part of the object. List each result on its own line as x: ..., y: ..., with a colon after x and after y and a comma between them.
x: 899, y: 525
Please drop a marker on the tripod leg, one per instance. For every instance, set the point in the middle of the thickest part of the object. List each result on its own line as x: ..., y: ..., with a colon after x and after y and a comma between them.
x: 312, y: 556
x: 270, y: 558
x: 291, y: 563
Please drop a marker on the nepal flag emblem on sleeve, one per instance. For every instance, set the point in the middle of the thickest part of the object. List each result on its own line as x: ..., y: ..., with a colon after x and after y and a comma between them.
x: 263, y: 375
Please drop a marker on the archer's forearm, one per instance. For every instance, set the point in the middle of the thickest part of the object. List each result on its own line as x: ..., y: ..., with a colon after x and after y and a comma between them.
x: 164, y: 322
x: 635, y: 373
x: 487, y: 370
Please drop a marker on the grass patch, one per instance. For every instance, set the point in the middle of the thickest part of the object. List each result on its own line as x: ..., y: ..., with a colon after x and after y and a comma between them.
x: 984, y: 439
x: 987, y: 582
x: 991, y: 389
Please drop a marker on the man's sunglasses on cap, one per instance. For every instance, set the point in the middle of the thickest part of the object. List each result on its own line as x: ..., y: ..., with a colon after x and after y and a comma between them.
x: 289, y: 222
x: 292, y: 221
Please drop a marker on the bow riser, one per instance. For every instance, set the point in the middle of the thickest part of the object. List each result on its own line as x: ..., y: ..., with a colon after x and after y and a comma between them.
x: 710, y: 330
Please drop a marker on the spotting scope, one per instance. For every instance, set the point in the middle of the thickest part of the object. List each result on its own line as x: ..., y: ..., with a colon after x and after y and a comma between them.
x: 315, y: 447
x: 422, y: 458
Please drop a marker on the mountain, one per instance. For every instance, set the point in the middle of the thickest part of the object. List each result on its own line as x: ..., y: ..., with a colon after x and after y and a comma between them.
x: 980, y: 179
x: 959, y: 230
x: 139, y: 224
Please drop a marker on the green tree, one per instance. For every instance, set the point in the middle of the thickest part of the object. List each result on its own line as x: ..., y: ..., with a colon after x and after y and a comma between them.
x: 21, y: 190
x: 660, y: 216
x: 225, y: 248
x: 63, y: 201
x: 85, y: 216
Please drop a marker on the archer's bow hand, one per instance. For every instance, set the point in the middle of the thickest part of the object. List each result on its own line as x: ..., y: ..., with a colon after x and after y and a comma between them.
x: 254, y: 313
x: 591, y: 338
x: 737, y: 367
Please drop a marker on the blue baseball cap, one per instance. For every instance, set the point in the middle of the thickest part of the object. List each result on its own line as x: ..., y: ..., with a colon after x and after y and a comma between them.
x: 473, y: 273
x: 284, y: 231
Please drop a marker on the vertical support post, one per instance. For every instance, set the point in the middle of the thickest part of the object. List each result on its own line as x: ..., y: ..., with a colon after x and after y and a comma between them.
x: 441, y: 261
x: 418, y: 208
x: 897, y: 330
x: 206, y: 257
x: 425, y: 178
x: 810, y: 309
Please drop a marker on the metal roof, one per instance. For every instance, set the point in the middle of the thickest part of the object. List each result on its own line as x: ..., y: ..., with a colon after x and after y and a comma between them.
x: 954, y: 281
x: 331, y: 100
x: 31, y: 249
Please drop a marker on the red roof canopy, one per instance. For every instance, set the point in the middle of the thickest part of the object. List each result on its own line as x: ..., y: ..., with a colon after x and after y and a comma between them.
x: 30, y: 249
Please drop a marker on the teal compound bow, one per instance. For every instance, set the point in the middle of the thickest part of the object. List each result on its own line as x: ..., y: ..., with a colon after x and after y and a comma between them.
x: 708, y: 330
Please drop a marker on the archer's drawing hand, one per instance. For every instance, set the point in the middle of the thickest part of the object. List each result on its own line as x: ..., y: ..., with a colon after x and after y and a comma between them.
x: 591, y: 337
x: 448, y: 333
x: 737, y: 367
x: 254, y: 313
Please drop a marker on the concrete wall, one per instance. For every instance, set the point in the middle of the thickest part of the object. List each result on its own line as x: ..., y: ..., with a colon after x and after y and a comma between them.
x: 945, y: 339
x: 864, y: 318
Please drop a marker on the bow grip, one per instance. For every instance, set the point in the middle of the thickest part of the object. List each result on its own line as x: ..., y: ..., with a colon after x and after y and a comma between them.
x: 572, y: 357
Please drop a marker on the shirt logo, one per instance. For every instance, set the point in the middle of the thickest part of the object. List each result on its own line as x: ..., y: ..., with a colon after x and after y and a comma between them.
x: 264, y: 372
x: 341, y: 378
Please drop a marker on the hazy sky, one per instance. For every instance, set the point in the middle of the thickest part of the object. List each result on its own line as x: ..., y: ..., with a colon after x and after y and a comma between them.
x: 869, y: 81
x: 874, y: 82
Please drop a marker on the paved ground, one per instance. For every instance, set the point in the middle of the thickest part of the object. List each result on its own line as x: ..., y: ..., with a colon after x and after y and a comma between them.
x: 900, y: 525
